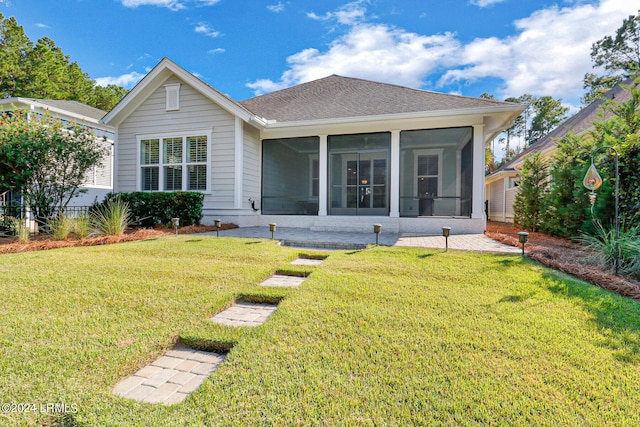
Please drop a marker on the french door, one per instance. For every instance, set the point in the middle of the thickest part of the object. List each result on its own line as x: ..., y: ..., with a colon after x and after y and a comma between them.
x: 359, y: 183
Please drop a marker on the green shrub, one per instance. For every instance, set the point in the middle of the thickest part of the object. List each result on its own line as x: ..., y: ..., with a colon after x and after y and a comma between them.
x: 149, y: 209
x: 111, y: 218
x: 528, y: 206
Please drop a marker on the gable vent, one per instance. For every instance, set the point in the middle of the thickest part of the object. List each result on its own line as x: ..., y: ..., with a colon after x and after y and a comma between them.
x: 173, y: 96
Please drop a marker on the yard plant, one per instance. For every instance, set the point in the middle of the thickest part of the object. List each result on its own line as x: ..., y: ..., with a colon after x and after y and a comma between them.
x: 384, y: 336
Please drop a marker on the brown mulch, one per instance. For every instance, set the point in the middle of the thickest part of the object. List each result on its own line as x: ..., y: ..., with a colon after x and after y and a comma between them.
x: 566, y: 256
x: 43, y: 242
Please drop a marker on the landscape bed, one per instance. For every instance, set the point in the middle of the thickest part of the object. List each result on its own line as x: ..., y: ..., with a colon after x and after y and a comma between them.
x: 383, y: 336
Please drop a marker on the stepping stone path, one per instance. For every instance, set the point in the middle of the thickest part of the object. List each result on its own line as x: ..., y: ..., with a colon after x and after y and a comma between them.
x: 178, y: 373
x: 171, y: 377
x: 245, y: 314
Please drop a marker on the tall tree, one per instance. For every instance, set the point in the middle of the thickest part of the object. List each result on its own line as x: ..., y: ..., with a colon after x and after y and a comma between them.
x: 548, y: 113
x: 44, y: 71
x: 618, y: 55
x: 14, y: 45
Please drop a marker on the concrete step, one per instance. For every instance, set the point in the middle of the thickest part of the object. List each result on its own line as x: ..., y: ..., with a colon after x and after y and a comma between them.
x: 355, y: 224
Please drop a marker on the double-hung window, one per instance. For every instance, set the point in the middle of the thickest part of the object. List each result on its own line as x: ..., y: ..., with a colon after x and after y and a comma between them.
x: 174, y: 162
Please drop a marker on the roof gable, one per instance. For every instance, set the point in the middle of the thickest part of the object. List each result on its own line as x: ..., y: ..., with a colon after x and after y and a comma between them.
x: 155, y: 78
x: 336, y: 97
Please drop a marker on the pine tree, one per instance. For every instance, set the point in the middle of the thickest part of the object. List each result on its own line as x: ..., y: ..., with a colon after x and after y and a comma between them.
x: 528, y: 206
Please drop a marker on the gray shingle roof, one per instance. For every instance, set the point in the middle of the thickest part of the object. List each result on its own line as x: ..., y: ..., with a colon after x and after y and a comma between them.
x: 74, y: 107
x: 339, y: 97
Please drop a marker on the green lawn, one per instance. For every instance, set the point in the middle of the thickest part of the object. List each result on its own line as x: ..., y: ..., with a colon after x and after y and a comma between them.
x: 385, y: 336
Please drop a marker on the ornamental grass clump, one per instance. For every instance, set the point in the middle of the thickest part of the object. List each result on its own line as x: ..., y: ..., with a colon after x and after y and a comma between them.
x: 61, y: 227
x: 111, y: 219
x: 82, y: 226
x: 603, y: 245
x: 20, y: 229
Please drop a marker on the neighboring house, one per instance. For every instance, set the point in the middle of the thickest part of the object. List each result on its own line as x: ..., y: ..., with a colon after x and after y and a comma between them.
x: 99, y: 180
x: 502, y: 184
x: 335, y: 153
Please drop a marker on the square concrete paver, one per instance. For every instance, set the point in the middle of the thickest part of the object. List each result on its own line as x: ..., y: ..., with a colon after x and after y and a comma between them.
x: 281, y: 280
x: 245, y: 314
x: 306, y: 261
x: 170, y: 378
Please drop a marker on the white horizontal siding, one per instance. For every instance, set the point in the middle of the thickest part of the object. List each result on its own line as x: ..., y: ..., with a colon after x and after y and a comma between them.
x: 251, y: 167
x: 196, y: 112
x: 496, y: 201
x: 510, y: 198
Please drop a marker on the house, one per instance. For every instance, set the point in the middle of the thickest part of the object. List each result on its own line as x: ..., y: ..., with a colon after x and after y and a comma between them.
x: 502, y: 184
x: 99, y: 181
x: 336, y: 153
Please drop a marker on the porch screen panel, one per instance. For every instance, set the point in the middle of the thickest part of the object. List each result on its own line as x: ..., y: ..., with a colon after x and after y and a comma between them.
x: 436, y: 172
x: 290, y: 176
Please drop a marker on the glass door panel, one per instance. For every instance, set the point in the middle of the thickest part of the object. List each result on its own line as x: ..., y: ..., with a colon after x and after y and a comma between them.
x: 358, y: 183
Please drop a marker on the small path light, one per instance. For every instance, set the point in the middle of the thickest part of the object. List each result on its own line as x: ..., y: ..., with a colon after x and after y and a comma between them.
x: 217, y: 223
x: 592, y: 181
x: 272, y: 229
x: 523, y: 237
x: 377, y: 228
x: 446, y: 231
x: 176, y: 223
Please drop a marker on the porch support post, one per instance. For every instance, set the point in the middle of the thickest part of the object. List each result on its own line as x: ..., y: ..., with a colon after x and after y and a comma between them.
x: 394, y: 178
x: 238, y: 166
x: 477, y: 207
x: 323, y: 164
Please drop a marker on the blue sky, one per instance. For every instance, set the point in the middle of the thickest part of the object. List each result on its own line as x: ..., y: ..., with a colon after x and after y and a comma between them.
x: 249, y: 47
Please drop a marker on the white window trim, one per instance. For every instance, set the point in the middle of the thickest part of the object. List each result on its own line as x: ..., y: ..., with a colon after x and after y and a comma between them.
x: 172, y: 93
x: 427, y: 152
x: 177, y: 134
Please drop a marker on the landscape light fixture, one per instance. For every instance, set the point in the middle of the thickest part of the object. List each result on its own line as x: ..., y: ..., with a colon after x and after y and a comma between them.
x: 446, y: 231
x: 217, y: 224
x: 176, y: 223
x: 523, y: 237
x: 592, y: 181
x: 272, y: 229
x: 377, y: 228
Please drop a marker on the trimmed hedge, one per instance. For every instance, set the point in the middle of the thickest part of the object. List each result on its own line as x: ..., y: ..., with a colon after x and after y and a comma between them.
x: 149, y: 209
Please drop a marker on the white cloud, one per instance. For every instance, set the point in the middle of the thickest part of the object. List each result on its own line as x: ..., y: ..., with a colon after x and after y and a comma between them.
x: 549, y: 54
x: 376, y: 52
x: 169, y: 4
x: 40, y: 25
x: 349, y: 14
x: 173, y: 5
x: 276, y: 8
x: 126, y: 80
x: 214, y: 51
x: 204, y: 28
x: 485, y: 3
